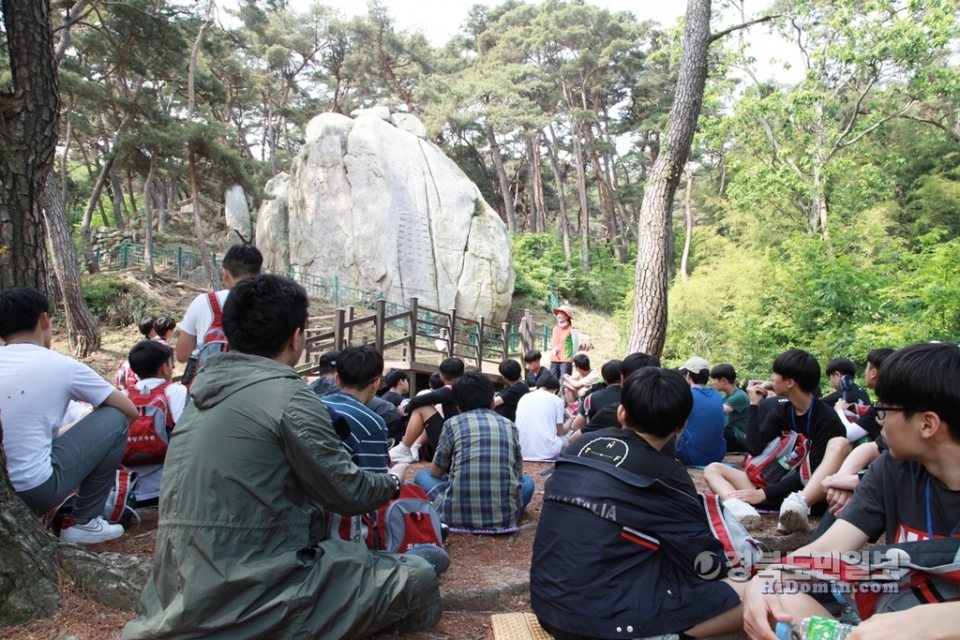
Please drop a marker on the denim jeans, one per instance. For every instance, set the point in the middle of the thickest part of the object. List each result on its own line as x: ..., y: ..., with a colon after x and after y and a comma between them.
x: 86, y: 457
x: 425, y: 481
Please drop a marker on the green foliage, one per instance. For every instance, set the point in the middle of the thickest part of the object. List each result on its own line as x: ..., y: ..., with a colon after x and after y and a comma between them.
x: 540, y: 264
x: 114, y: 302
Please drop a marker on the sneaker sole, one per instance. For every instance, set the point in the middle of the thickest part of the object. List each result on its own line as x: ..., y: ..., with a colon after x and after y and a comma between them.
x: 791, y: 522
x: 97, y: 541
x: 437, y: 557
x: 750, y: 521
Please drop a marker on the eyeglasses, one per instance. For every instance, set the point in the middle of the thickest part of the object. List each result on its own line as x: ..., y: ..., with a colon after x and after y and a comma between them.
x: 882, y: 410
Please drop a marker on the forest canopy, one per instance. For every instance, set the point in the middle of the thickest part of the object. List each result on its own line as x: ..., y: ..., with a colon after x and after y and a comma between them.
x: 823, y: 214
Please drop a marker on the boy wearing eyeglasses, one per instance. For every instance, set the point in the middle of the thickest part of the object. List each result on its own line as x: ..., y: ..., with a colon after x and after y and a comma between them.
x: 911, y: 492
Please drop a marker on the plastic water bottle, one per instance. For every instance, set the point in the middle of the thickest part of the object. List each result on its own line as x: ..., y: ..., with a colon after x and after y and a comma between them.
x: 817, y: 628
x: 786, y: 460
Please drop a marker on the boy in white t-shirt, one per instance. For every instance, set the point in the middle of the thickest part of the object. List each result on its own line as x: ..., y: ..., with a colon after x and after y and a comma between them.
x: 540, y: 424
x: 151, y: 361
x: 241, y: 261
x: 37, y: 386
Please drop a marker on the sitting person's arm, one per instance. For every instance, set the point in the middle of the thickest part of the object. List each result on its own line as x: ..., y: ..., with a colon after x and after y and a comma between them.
x: 322, y: 465
x: 442, y: 456
x: 119, y: 400
x: 425, y: 399
x: 497, y: 401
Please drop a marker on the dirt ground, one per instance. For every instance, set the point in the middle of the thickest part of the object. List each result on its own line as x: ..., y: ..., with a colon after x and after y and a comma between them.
x: 476, y: 561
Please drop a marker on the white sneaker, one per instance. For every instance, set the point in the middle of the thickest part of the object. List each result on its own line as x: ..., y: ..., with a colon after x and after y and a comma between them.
x: 401, y: 453
x: 415, y: 451
x: 793, y: 514
x: 97, y: 530
x: 745, y: 513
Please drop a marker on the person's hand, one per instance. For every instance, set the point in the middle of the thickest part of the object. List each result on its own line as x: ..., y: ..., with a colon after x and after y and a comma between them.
x: 840, y: 490
x: 838, y: 500
x: 841, y: 405
x: 761, y: 611
x: 756, y: 392
x: 750, y: 496
x: 399, y: 470
x: 846, y: 482
x: 923, y: 622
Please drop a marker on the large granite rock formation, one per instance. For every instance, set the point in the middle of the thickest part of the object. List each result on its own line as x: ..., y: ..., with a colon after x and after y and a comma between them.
x: 387, y: 211
x: 236, y: 213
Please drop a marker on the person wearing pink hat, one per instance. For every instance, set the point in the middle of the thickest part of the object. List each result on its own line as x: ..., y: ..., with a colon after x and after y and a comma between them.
x: 561, y: 357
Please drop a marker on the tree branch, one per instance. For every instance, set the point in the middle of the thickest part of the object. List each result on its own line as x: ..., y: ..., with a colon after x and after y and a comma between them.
x: 716, y: 36
x: 877, y: 124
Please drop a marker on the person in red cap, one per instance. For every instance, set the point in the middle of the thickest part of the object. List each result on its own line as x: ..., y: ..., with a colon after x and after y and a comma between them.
x: 564, y: 339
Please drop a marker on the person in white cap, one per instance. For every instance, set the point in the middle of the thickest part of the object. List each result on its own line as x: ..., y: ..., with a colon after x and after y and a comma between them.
x: 564, y: 343
x: 702, y: 442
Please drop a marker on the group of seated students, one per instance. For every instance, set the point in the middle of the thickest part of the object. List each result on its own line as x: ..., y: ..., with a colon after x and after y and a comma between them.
x: 256, y: 456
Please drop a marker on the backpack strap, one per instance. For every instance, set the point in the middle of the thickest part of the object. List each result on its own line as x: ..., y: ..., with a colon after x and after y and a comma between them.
x: 215, y: 307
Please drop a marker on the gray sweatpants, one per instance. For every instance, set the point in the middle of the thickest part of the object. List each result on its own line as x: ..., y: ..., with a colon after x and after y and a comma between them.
x: 87, y: 455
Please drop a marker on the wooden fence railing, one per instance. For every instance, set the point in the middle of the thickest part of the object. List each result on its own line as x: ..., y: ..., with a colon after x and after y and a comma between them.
x: 417, y: 334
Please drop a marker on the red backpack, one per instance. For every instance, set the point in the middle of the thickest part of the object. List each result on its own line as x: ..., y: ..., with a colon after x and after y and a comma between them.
x: 149, y: 434
x: 407, y: 524
x: 214, y: 340
x: 780, y: 457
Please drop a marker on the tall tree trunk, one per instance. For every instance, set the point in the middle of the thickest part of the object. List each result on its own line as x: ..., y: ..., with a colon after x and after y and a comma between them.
x: 82, y: 327
x: 508, y: 208
x: 148, y: 219
x: 160, y: 197
x: 133, y: 197
x: 688, y: 211
x: 118, y: 202
x: 63, y: 162
x: 578, y: 160
x: 29, y: 126
x: 532, y: 189
x: 649, y: 329
x: 198, y: 223
x: 194, y: 54
x: 561, y: 197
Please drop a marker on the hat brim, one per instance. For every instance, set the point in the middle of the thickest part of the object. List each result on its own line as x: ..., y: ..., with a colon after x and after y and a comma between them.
x: 568, y: 312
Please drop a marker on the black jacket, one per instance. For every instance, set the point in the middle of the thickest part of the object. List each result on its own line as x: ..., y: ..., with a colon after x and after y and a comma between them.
x: 590, y: 576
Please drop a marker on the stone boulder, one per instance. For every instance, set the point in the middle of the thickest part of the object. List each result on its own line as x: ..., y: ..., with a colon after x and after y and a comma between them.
x: 410, y: 123
x: 272, y: 239
x: 235, y: 211
x: 387, y: 211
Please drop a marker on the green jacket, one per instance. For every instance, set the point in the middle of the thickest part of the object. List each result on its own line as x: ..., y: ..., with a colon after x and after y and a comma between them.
x: 239, y: 551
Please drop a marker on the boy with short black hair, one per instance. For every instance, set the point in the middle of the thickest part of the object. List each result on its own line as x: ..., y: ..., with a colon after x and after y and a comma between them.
x: 535, y: 372
x: 358, y: 376
x: 910, y: 493
x: 655, y: 539
x: 241, y: 261
x: 506, y: 401
x: 796, y: 373
x: 841, y: 372
x: 576, y: 385
x: 38, y: 383
x: 540, y: 424
x: 736, y: 404
x: 152, y: 361
x: 397, y: 383
x: 476, y: 480
x: 596, y: 401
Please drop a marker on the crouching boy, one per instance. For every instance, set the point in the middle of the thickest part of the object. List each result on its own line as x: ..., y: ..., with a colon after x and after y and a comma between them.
x: 622, y: 530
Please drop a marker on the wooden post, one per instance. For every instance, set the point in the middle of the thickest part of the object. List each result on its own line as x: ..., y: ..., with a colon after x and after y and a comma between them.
x: 338, y: 322
x: 453, y: 331
x: 412, y: 345
x: 480, y: 325
x: 350, y: 312
x: 505, y: 339
x: 526, y: 330
x: 379, y: 323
